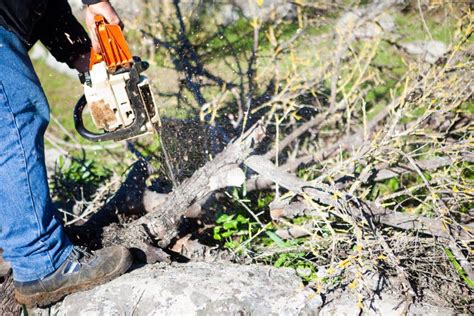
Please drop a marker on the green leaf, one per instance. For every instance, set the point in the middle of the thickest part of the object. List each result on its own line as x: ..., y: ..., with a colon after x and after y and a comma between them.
x: 459, y: 269
x: 224, y: 218
x: 216, y: 232
x: 235, y: 194
x: 228, y: 233
x: 230, y: 224
x: 281, y: 260
x: 276, y: 239
x: 394, y: 184
x: 241, y: 219
x: 231, y: 244
x: 244, y: 189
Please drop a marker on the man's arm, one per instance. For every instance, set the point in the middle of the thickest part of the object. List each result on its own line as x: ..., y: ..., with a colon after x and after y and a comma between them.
x: 65, y: 37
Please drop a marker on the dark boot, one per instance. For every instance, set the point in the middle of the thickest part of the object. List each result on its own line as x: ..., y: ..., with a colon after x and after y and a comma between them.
x: 81, y: 271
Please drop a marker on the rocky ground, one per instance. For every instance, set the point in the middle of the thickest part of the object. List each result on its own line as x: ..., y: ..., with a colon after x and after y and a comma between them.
x: 200, y: 288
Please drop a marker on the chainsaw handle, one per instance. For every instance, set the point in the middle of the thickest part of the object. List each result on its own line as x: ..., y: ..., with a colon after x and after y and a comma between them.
x: 79, y: 123
x: 100, y: 137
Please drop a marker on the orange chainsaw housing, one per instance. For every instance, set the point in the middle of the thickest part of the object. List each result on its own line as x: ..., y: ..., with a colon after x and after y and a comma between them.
x: 114, y: 48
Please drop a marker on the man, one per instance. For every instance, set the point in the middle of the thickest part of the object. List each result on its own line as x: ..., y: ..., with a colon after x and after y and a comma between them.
x: 46, y: 266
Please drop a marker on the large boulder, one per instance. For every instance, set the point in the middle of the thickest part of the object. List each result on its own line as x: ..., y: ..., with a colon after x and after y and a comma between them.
x: 196, y: 289
x: 223, y: 288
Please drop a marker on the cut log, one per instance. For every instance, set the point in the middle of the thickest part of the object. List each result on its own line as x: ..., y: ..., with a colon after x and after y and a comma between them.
x: 160, y: 225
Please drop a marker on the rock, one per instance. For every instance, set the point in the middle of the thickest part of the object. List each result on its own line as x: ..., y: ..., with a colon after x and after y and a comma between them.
x: 386, y: 304
x: 368, y: 22
x: 385, y: 23
x: 198, y: 289
x: 428, y: 51
x: 223, y: 288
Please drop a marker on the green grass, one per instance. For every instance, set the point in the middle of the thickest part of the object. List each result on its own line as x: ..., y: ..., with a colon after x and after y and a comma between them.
x: 62, y: 92
x: 467, y: 107
x: 410, y: 27
x: 387, y: 56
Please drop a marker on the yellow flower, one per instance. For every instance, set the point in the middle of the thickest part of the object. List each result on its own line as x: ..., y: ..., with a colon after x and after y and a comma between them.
x: 319, y: 288
x: 353, y: 285
x: 345, y: 263
x: 359, y: 303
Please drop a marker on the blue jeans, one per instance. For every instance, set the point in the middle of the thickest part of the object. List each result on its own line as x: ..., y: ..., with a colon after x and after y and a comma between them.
x: 32, y: 238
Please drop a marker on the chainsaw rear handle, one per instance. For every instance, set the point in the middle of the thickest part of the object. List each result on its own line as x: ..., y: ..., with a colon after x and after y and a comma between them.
x: 114, y: 48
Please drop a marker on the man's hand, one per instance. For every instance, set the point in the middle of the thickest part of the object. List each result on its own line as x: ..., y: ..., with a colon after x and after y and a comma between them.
x: 105, y: 9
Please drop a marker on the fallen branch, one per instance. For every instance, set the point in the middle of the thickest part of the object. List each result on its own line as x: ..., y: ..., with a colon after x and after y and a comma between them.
x: 294, y: 232
x: 160, y: 226
x: 425, y: 165
x: 326, y: 195
x: 366, y: 210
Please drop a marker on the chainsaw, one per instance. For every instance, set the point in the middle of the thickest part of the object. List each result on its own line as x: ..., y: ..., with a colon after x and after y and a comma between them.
x: 116, y: 92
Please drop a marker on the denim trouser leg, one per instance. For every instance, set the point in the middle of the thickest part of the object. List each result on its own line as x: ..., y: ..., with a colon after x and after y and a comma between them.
x: 32, y: 238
